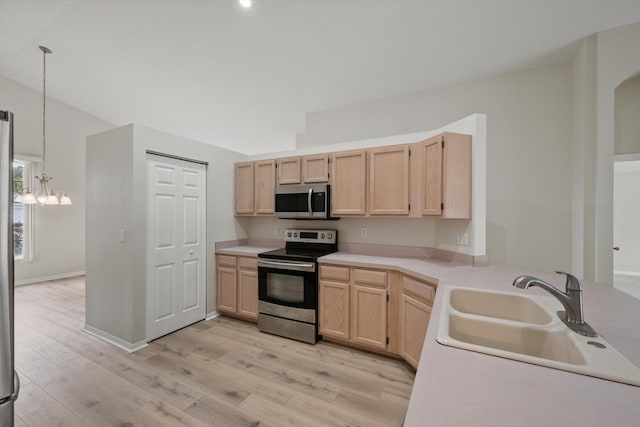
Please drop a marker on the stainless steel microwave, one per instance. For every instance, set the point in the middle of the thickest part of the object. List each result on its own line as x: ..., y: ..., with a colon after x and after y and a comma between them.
x: 311, y: 201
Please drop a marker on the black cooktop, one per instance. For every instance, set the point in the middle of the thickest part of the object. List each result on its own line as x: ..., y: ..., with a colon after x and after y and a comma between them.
x: 300, y: 254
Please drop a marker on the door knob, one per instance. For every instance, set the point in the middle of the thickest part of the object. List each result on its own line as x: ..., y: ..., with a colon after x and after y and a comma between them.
x: 191, y: 252
x: 616, y: 248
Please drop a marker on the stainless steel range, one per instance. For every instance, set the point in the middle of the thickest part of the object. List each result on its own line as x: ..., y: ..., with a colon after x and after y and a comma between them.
x: 288, y: 284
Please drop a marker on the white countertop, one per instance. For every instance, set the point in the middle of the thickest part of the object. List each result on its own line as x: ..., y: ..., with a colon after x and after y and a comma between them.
x: 243, y: 250
x: 455, y: 387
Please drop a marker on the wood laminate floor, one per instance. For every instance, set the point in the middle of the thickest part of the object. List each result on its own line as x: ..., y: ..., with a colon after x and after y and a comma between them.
x: 220, y: 372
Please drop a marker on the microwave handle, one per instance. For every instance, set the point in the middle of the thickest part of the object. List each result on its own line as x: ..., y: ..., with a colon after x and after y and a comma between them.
x: 309, y: 202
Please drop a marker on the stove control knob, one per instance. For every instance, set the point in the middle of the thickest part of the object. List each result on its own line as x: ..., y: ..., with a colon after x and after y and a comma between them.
x: 322, y: 236
x: 288, y: 234
x: 330, y: 236
x: 295, y: 235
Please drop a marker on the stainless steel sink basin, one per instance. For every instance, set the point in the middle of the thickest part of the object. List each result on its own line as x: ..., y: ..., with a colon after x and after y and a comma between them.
x: 508, y: 306
x: 526, y: 328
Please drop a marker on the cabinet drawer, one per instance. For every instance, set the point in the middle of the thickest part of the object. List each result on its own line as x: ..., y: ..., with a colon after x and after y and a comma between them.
x: 229, y: 260
x: 248, y: 263
x: 419, y: 289
x: 333, y: 272
x: 370, y: 277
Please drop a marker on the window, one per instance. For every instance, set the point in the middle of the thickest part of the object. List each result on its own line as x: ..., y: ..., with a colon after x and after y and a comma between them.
x: 22, y: 214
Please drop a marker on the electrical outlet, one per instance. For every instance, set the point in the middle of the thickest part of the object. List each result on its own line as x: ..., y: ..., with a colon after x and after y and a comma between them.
x: 462, y: 238
x: 277, y: 229
x: 363, y: 231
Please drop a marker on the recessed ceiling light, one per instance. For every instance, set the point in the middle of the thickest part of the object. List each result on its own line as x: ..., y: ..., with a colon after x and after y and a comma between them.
x: 245, y: 3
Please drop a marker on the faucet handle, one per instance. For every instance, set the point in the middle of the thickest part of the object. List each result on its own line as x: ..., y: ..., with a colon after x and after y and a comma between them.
x: 573, y: 284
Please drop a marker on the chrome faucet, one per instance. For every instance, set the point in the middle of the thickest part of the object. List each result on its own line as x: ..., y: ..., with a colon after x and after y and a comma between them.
x: 573, y: 316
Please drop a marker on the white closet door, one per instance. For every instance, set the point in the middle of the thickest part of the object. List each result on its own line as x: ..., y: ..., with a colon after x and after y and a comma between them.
x: 176, y: 245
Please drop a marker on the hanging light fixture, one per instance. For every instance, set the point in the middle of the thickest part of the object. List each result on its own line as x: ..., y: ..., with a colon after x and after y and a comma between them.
x: 45, y: 195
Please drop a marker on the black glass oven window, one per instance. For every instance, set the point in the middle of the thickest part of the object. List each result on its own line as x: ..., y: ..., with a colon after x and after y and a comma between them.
x: 299, y: 202
x: 296, y: 202
x: 285, y: 287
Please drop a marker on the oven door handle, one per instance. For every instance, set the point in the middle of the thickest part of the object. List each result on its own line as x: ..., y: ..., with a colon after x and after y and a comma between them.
x: 303, y: 266
x: 309, y: 202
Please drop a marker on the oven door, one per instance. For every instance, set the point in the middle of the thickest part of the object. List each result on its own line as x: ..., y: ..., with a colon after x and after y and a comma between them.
x: 288, y: 283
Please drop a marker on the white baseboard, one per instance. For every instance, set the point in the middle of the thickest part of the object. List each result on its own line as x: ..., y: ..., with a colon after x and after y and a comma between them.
x: 111, y: 339
x: 626, y: 273
x: 212, y: 315
x: 47, y: 278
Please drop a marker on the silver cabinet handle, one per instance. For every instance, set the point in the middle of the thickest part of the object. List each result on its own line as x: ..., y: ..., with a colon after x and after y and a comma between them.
x: 309, y: 202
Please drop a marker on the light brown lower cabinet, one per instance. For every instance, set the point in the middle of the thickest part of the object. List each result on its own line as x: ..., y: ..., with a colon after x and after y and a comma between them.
x: 414, y: 320
x: 334, y: 309
x: 353, y: 305
x: 237, y: 286
x: 369, y: 316
x: 416, y: 299
x: 376, y: 309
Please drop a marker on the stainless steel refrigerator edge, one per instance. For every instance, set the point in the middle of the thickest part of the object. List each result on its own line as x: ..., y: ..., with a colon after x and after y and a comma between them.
x: 9, y: 383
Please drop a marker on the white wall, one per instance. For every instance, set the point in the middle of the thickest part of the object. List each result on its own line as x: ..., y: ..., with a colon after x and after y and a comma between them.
x: 627, y: 116
x: 59, y: 230
x: 626, y: 212
x: 116, y: 271
x: 529, y: 153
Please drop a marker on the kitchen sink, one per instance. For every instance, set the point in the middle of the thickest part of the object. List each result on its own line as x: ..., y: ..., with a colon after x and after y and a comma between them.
x: 508, y: 306
x: 526, y: 328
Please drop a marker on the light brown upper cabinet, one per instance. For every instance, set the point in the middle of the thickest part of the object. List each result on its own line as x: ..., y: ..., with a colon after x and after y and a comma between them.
x: 315, y: 168
x: 244, y: 188
x: 265, y: 183
x: 289, y: 171
x: 446, y: 176
x: 389, y: 180
x: 349, y: 183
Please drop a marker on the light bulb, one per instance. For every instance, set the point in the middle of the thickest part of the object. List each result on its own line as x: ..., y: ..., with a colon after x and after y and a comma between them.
x: 245, y: 3
x: 65, y: 199
x: 52, y: 200
x: 28, y: 198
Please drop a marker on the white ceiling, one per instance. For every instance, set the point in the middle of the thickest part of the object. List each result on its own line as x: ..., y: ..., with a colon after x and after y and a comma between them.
x: 244, y: 79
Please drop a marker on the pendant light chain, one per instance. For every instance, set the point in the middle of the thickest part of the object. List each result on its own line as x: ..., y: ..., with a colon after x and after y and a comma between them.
x: 44, y: 109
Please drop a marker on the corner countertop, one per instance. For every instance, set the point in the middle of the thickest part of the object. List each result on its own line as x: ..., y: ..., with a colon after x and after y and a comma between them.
x: 455, y: 387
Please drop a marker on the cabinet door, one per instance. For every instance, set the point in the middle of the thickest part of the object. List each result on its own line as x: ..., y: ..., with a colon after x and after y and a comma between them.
x: 289, y: 171
x: 432, y: 176
x: 333, y: 309
x: 414, y: 320
x: 244, y: 188
x: 348, y: 175
x: 265, y: 182
x: 315, y: 168
x: 227, y: 289
x: 369, y: 316
x: 389, y: 180
x: 456, y: 176
x: 248, y: 293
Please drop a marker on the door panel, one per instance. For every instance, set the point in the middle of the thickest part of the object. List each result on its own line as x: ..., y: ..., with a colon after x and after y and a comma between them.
x: 190, y: 220
x: 190, y: 279
x: 165, y: 301
x: 176, y: 261
x: 164, y: 221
